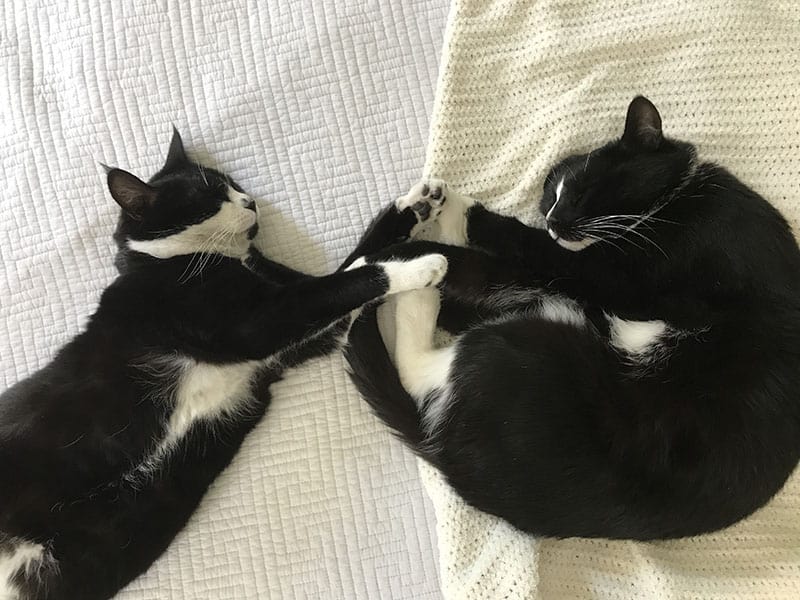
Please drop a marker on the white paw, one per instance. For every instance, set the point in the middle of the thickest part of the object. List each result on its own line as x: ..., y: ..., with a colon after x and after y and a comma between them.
x: 426, y: 199
x: 441, y: 213
x: 422, y: 272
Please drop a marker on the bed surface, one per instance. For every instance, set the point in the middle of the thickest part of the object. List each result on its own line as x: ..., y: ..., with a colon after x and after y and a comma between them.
x: 320, y: 110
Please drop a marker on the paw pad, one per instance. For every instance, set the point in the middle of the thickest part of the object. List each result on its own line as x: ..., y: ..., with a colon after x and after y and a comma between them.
x: 425, y: 199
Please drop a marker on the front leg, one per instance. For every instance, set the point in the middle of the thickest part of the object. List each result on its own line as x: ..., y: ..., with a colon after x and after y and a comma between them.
x: 390, y: 226
x: 270, y: 270
x: 452, y: 218
x: 473, y: 276
x: 292, y: 313
x: 509, y: 238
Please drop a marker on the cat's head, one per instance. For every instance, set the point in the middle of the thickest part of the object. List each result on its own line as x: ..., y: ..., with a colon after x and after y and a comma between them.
x: 183, y: 209
x: 595, y: 196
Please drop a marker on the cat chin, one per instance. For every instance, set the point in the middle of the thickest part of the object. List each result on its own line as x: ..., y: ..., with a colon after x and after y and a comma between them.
x: 575, y: 245
x: 571, y: 245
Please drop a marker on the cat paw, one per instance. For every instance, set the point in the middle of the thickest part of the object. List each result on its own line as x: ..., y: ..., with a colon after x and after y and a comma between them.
x: 425, y: 199
x: 441, y: 213
x: 422, y: 272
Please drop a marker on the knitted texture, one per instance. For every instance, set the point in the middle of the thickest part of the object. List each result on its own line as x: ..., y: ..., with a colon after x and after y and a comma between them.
x: 523, y: 84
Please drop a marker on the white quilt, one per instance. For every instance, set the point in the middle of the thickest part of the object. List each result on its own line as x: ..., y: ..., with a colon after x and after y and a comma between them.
x: 317, y: 107
x: 524, y: 83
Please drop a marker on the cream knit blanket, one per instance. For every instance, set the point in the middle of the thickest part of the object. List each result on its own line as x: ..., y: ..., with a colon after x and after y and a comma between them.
x: 524, y: 83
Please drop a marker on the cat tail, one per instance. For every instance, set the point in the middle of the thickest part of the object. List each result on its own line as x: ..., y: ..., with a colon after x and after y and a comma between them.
x: 378, y: 382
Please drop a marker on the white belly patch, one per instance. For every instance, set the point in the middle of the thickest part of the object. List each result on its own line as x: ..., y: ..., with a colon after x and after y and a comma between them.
x: 199, y: 392
x: 636, y: 337
x: 210, y: 392
x: 19, y: 556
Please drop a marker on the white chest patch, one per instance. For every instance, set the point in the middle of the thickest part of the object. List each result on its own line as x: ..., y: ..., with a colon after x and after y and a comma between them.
x: 636, y: 337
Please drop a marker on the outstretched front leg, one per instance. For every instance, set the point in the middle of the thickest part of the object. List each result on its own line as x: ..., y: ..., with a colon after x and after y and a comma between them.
x: 390, y: 226
x: 280, y: 317
x: 452, y: 218
x: 270, y: 270
x: 473, y: 276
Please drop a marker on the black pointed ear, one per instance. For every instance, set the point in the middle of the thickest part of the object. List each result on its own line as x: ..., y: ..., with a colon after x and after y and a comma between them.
x: 130, y: 192
x: 176, y: 155
x: 642, y: 125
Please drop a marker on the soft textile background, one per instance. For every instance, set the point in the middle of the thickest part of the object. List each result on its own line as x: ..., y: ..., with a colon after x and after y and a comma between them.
x: 318, y: 108
x: 523, y: 83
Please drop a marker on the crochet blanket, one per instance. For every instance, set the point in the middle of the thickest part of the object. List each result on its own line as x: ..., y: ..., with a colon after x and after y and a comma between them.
x: 524, y: 83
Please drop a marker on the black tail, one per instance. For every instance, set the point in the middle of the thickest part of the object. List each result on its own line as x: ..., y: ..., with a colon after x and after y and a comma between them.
x: 378, y: 382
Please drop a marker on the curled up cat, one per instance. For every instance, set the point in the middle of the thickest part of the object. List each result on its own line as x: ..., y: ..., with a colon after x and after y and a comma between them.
x: 630, y: 371
x: 106, y: 451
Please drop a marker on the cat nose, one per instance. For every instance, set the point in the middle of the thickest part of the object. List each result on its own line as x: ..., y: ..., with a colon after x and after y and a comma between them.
x: 554, y: 222
x: 250, y: 204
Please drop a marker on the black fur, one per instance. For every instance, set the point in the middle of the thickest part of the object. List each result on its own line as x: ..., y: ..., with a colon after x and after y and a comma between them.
x: 73, y: 436
x: 551, y: 427
x: 370, y: 357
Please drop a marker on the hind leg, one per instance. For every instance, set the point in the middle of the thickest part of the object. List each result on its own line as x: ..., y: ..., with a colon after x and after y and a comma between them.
x: 424, y: 369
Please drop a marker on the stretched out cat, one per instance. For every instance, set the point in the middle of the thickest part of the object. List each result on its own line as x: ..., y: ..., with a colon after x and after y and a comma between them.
x: 106, y: 451
x: 632, y: 371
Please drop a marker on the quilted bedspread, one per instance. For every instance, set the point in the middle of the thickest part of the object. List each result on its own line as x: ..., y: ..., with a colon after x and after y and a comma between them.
x: 320, y: 109
x: 524, y: 83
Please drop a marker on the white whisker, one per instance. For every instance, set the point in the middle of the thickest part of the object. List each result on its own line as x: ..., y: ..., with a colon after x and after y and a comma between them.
x: 604, y: 240
x: 586, y: 163
x: 616, y: 232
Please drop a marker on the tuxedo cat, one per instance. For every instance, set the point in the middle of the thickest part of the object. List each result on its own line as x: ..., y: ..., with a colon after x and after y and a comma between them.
x: 106, y: 451
x: 631, y: 371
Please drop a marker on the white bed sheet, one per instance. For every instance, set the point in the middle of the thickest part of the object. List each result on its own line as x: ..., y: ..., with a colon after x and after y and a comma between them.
x: 320, y: 108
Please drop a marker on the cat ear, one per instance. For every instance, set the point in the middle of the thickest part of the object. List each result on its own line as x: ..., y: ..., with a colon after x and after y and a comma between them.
x: 642, y: 125
x: 130, y: 192
x: 176, y: 155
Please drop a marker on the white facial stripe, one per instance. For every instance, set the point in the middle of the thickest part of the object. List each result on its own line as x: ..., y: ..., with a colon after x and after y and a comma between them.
x: 571, y: 245
x: 559, y: 189
x: 224, y: 233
